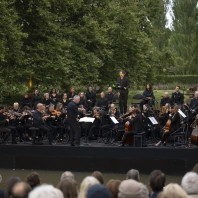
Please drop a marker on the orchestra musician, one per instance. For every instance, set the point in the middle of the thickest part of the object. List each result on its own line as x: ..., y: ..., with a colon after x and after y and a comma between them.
x: 91, y: 98
x: 72, y: 93
x: 46, y: 101
x: 148, y: 97
x: 38, y: 121
x: 177, y: 97
x: 172, y: 125
x: 194, y: 104
x: 83, y: 100
x: 36, y: 98
x: 110, y: 96
x: 53, y: 96
x: 26, y: 101
x: 103, y: 102
x: 64, y: 100
x: 166, y: 99
x: 72, y: 113
x: 123, y: 85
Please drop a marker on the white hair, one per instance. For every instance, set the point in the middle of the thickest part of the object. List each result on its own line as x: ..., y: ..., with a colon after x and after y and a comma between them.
x: 0, y: 178
x: 16, y: 103
x: 76, y: 97
x: 190, y: 183
x: 45, y: 94
x: 86, y: 183
x: 144, y: 191
x: 44, y: 191
x: 67, y: 174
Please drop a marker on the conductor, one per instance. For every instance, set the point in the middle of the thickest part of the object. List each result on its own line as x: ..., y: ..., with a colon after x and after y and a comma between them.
x: 72, y: 115
x: 123, y: 85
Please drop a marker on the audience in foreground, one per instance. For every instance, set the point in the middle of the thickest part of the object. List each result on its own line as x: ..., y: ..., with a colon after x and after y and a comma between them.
x: 94, y: 186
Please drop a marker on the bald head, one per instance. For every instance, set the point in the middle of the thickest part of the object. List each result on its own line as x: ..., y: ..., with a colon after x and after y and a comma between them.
x: 21, y: 190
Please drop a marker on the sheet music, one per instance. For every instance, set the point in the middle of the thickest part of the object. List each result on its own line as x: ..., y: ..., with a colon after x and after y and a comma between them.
x: 114, y: 120
x: 181, y: 113
x: 87, y: 119
x: 153, y: 120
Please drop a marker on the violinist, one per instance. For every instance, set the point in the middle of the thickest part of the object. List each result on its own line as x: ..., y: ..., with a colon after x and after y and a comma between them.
x: 114, y: 112
x: 136, y: 121
x: 95, y: 128
x: 16, y: 109
x: 172, y: 125
x: 91, y: 98
x: 148, y: 97
x: 4, y: 130
x: 38, y: 121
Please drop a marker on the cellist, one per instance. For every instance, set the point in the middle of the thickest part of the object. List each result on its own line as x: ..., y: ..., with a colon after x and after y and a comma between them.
x: 171, y: 126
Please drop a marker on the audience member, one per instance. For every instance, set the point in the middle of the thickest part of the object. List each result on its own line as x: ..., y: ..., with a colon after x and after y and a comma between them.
x: 157, y: 181
x: 67, y: 174
x: 173, y: 191
x: 9, y: 185
x: 98, y: 191
x: 45, y: 191
x: 86, y: 183
x: 130, y: 189
x: 133, y: 174
x: 113, y: 186
x: 21, y: 190
x: 1, y: 191
x: 144, y: 191
x: 68, y: 187
x: 33, y: 179
x: 190, y: 184
x: 99, y: 176
x: 195, y: 168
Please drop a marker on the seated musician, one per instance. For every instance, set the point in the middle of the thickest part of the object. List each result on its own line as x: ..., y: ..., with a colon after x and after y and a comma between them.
x: 26, y: 101
x: 83, y: 100
x: 166, y: 100
x: 103, y: 102
x: 110, y: 96
x: 194, y: 104
x: 95, y: 128
x: 4, y: 130
x: 113, y: 111
x: 64, y: 100
x: 148, y: 97
x: 16, y: 109
x: 72, y: 93
x: 91, y: 98
x: 46, y: 101
x: 53, y: 96
x: 136, y: 121
x: 38, y: 121
x: 177, y: 97
x: 172, y: 125
x: 164, y: 114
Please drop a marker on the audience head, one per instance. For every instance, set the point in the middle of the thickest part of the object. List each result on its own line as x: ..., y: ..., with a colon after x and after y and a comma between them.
x: 45, y: 191
x: 173, y: 191
x: 195, y: 168
x: 0, y: 178
x: 190, y: 183
x: 68, y: 187
x: 130, y: 189
x: 21, y: 190
x: 9, y: 185
x: 157, y: 180
x: 33, y: 179
x: 99, y: 176
x: 98, y: 191
x: 133, y: 174
x: 113, y: 186
x: 67, y: 174
x: 86, y: 183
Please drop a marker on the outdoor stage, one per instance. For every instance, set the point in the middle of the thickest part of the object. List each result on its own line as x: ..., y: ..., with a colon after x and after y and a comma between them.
x: 98, y: 157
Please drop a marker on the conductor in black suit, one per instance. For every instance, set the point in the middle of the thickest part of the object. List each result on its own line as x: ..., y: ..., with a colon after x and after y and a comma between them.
x: 123, y: 84
x: 72, y: 114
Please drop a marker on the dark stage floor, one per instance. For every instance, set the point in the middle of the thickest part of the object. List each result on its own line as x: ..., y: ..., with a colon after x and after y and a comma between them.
x: 99, y: 156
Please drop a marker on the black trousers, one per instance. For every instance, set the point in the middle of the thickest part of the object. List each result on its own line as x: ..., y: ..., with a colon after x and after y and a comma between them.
x: 5, y: 133
x: 75, y: 132
x: 123, y: 102
x: 48, y: 131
